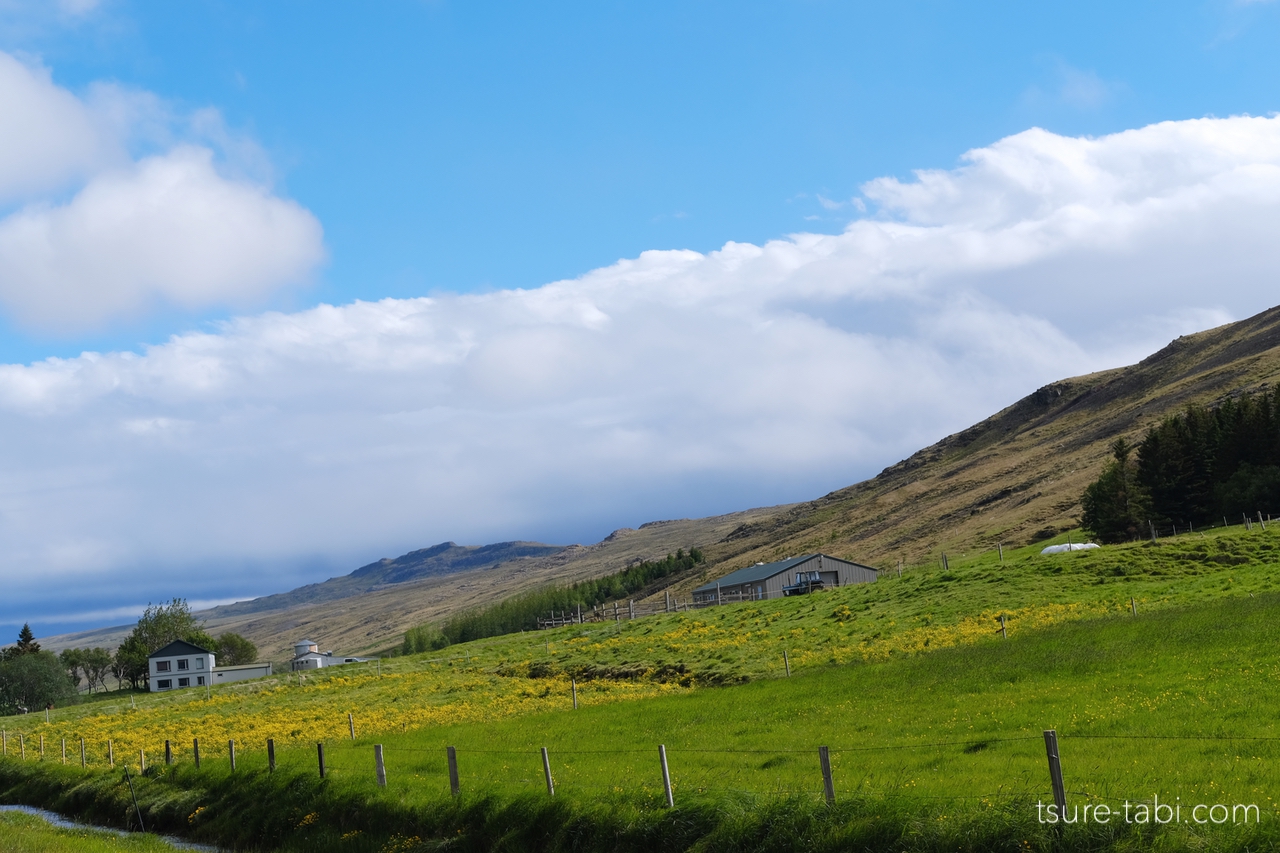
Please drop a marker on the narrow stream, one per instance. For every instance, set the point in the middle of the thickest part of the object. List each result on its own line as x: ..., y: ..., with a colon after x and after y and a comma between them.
x: 63, y: 823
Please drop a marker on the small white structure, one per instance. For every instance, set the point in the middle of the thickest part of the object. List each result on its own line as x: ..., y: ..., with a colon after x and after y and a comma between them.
x: 1070, y: 546
x: 180, y: 664
x: 307, y: 655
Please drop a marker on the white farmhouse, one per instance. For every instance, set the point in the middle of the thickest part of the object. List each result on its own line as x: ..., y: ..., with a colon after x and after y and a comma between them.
x: 181, y: 664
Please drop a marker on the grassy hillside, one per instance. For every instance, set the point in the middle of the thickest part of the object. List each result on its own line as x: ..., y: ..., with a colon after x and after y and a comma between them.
x: 925, y: 609
x: 933, y: 718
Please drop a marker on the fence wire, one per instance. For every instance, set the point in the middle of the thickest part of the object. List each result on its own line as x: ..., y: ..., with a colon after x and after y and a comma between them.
x: 783, y: 771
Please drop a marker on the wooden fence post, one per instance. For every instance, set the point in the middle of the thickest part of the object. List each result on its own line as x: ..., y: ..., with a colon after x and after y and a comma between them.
x: 168, y: 753
x: 320, y: 756
x: 64, y: 750
x: 546, y: 771
x: 1004, y: 629
x: 195, y: 750
x: 666, y: 776
x: 631, y: 608
x: 42, y: 747
x: 379, y: 768
x: 111, y: 754
x: 271, y: 755
x: 717, y: 592
x: 4, y: 739
x: 452, y: 754
x: 786, y: 663
x: 83, y: 761
x: 1055, y: 772
x: 1133, y: 605
x: 231, y: 749
x: 22, y: 743
x: 824, y: 759
x: 573, y: 685
x: 142, y: 761
x: 1000, y: 547
x: 351, y: 724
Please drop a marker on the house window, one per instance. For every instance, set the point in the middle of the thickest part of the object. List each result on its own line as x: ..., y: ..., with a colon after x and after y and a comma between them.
x: 184, y: 664
x: 200, y: 680
x: 162, y: 666
x: 199, y: 663
x: 184, y: 682
x: 164, y: 683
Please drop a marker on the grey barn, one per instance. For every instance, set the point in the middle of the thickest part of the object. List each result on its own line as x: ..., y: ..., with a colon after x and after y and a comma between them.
x: 766, y: 580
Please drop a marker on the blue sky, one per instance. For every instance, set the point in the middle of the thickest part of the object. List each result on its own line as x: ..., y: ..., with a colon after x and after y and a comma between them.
x: 466, y: 147
x: 311, y: 248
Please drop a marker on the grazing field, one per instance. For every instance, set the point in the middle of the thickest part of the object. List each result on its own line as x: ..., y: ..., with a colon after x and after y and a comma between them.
x: 933, y: 719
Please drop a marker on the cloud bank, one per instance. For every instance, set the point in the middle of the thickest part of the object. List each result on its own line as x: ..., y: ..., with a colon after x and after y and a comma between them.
x: 675, y: 383
x: 174, y: 227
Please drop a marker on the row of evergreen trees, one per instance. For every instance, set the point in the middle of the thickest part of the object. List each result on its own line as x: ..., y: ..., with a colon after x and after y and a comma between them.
x: 1194, y: 468
x: 521, y: 612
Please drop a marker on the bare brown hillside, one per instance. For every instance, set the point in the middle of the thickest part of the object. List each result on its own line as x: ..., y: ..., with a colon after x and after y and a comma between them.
x: 369, y: 619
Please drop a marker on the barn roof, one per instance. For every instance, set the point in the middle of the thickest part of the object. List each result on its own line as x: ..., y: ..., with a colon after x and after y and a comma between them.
x: 179, y: 647
x: 758, y: 572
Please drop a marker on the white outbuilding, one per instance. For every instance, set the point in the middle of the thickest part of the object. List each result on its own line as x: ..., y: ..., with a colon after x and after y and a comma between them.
x: 307, y: 655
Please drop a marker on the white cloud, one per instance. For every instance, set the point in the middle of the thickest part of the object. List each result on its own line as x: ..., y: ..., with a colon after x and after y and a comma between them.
x: 169, y: 228
x: 48, y: 136
x: 173, y: 228
x: 669, y: 384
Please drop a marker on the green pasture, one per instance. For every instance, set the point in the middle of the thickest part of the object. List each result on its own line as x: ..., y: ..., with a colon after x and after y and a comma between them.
x: 24, y: 833
x: 935, y: 743
x: 743, y: 642
x: 1179, y: 703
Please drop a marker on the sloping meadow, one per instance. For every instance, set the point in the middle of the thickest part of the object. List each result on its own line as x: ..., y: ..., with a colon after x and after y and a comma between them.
x: 932, y: 716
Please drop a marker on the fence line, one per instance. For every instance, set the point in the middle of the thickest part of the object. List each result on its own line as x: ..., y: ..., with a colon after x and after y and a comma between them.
x: 378, y: 765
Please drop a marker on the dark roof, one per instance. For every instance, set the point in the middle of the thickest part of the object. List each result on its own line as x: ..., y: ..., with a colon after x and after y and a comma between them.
x: 179, y: 647
x: 758, y: 572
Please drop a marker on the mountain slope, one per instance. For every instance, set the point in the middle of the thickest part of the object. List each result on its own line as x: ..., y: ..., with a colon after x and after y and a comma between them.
x: 446, y: 558
x: 377, y: 611
x: 1017, y: 476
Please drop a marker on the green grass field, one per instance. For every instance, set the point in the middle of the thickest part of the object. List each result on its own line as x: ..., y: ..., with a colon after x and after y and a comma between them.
x: 934, y: 721
x: 1177, y: 703
x: 24, y: 833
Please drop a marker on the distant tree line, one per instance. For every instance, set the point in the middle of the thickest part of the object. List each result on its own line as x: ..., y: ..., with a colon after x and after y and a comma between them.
x: 1194, y: 468
x: 521, y: 612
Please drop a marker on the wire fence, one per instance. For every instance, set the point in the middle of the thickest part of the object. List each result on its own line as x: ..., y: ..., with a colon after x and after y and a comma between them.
x: 1018, y: 767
